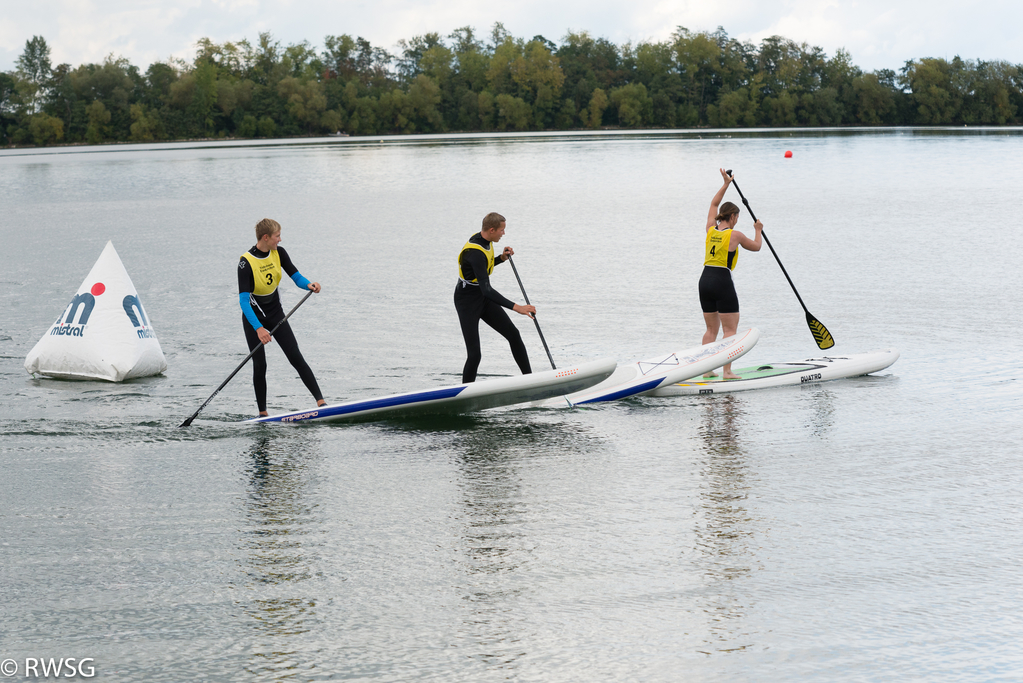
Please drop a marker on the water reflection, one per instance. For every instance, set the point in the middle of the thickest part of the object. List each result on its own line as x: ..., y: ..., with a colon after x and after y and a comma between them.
x: 497, y: 462
x: 276, y: 558
x: 822, y: 401
x: 724, y: 530
x: 492, y: 541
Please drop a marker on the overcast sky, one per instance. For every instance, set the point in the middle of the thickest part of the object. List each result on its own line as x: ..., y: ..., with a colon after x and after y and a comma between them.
x: 877, y: 33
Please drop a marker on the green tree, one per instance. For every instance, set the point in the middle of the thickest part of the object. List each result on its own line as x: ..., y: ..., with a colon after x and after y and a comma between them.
x: 593, y: 115
x: 423, y: 99
x: 45, y: 129
x: 874, y: 103
x: 204, y: 97
x: 7, y: 94
x: 735, y: 108
x: 655, y: 68
x: 346, y: 58
x: 266, y: 127
x: 710, y: 65
x: 487, y: 108
x: 471, y: 61
x: 633, y: 105
x: 305, y: 102
x: 158, y: 80
x: 332, y: 121
x: 34, y: 68
x: 589, y: 64
x: 99, y: 117
x: 248, y: 126
x: 338, y: 57
x: 301, y: 61
x: 932, y: 84
x: 114, y: 83
x: 409, y: 62
x: 988, y: 88
x: 146, y: 125
x: 512, y: 112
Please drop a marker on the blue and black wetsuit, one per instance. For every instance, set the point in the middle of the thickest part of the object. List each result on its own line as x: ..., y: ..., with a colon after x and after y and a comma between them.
x: 261, y: 307
x: 476, y: 299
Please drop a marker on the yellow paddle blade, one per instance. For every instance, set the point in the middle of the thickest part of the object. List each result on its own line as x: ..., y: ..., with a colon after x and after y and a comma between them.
x: 820, y: 333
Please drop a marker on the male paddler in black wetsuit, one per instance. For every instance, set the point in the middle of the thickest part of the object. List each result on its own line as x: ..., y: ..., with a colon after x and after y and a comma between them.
x: 476, y: 300
x: 260, y: 271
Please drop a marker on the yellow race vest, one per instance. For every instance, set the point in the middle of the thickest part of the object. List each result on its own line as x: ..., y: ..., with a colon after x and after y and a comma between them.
x: 717, y: 253
x: 490, y: 259
x: 266, y: 272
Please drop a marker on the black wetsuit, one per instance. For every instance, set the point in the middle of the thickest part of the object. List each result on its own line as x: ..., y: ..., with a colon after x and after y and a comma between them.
x: 475, y: 302
x: 269, y: 312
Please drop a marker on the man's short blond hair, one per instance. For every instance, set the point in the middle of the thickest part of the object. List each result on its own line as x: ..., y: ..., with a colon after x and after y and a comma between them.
x: 492, y: 221
x: 267, y: 226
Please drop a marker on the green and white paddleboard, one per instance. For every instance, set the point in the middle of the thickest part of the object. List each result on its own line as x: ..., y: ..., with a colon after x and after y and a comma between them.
x: 809, y: 371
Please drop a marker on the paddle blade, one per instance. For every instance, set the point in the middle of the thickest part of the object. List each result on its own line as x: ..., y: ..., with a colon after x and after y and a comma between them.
x: 820, y: 333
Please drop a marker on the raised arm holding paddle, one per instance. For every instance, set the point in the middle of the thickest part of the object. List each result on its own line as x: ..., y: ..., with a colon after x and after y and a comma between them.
x: 718, y: 299
x: 820, y: 333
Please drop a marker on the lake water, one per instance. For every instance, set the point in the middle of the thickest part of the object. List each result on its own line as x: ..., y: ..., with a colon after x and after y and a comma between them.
x: 868, y: 529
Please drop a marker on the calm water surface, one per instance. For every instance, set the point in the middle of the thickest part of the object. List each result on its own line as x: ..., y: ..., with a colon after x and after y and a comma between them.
x: 860, y: 530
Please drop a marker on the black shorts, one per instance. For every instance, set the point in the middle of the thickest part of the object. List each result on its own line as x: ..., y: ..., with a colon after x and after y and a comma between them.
x: 717, y: 293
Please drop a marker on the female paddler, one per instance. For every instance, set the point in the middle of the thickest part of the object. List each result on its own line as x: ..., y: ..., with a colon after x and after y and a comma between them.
x: 260, y: 271
x: 717, y: 292
x: 476, y: 299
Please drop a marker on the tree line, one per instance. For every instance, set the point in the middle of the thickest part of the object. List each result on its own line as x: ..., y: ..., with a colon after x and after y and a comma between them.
x: 465, y: 82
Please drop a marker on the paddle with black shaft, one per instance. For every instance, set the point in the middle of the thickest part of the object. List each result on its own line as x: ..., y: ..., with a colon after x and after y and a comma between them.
x: 188, y: 422
x: 533, y: 316
x: 820, y: 333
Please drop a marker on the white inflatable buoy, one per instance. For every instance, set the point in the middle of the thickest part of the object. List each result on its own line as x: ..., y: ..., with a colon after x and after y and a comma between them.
x: 104, y: 333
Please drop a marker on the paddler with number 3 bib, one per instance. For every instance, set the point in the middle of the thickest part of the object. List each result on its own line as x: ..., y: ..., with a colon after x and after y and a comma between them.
x: 260, y: 271
x: 718, y: 299
x: 476, y: 299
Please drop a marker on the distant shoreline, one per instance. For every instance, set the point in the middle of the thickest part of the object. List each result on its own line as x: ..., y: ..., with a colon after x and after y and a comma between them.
x: 359, y: 140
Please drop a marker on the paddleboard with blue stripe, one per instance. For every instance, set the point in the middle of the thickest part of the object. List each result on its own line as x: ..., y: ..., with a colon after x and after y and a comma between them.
x: 460, y: 398
x: 642, y: 377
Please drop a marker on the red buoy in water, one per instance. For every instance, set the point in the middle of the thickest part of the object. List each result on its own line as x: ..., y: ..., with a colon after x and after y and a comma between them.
x: 788, y: 154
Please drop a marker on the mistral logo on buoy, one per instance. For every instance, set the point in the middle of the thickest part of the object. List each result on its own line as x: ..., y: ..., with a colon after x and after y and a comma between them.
x: 132, y: 304
x: 82, y: 306
x: 84, y: 302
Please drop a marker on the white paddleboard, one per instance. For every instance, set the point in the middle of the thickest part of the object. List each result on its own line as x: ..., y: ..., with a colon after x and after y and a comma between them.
x: 642, y: 377
x: 461, y: 398
x: 809, y: 371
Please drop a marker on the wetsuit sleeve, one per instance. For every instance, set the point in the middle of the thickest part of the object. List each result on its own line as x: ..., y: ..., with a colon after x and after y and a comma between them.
x: 246, y: 286
x: 478, y: 262
x: 288, y: 267
x: 246, y: 281
x: 250, y: 315
x: 286, y: 263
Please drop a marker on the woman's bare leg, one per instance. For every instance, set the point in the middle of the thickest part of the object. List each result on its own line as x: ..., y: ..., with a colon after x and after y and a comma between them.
x: 729, y: 325
x: 713, y: 321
